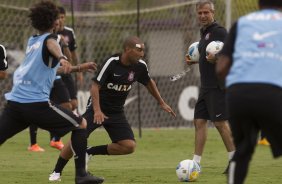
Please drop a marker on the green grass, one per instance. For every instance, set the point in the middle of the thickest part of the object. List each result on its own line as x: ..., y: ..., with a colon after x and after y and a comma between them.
x: 157, y: 154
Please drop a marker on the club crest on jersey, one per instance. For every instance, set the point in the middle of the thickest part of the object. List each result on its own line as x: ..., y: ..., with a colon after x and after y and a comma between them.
x: 130, y: 76
x: 207, y: 36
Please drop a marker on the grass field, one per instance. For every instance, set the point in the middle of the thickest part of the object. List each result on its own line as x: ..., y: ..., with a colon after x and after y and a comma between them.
x: 154, y: 162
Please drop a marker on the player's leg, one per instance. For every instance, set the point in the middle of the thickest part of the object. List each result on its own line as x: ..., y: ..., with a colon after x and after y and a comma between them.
x: 122, y: 137
x: 270, y: 118
x: 61, y: 121
x: 59, y: 95
x: 12, y: 122
x: 200, y: 138
x: 200, y: 123
x: 218, y: 115
x: 33, y: 139
x: 66, y: 153
x: 245, y: 128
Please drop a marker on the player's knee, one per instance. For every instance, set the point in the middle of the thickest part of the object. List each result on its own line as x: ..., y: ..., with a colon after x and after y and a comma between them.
x: 130, y: 147
x: 83, y: 124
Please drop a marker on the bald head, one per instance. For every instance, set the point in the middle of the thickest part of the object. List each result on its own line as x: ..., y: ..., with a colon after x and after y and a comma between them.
x: 132, y: 42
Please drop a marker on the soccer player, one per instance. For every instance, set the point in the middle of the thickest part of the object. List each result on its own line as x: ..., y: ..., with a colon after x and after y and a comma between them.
x: 3, y: 58
x: 211, y: 101
x: 69, y: 38
x: 59, y: 93
x: 251, y: 63
x: 28, y: 101
x: 109, y: 91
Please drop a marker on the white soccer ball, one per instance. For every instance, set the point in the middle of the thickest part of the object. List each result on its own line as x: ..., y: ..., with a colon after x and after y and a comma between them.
x: 214, y: 47
x: 188, y: 170
x: 193, y: 52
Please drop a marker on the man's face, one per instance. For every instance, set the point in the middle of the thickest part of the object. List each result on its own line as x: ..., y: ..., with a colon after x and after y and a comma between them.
x: 56, y: 25
x: 136, y: 53
x: 62, y: 19
x: 205, y: 15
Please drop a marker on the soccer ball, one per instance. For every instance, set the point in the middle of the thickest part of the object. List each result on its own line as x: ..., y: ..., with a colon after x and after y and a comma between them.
x: 193, y: 52
x: 188, y: 170
x: 214, y: 47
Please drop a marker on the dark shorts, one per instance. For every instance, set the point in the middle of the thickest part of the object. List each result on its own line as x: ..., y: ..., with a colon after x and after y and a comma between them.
x: 254, y: 107
x: 18, y: 116
x: 116, y: 125
x: 59, y: 93
x: 71, y: 86
x: 211, y: 105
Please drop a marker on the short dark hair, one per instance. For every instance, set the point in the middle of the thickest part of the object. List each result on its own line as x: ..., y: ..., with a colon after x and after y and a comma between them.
x: 270, y: 3
x: 43, y: 15
x: 61, y: 10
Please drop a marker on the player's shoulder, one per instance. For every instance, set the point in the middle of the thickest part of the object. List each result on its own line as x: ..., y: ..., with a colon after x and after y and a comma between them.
x: 142, y: 63
x: 112, y: 60
x: 66, y: 28
x: 68, y: 31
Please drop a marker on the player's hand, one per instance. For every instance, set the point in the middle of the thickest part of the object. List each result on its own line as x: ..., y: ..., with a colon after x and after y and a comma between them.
x: 65, y: 66
x: 88, y: 66
x: 211, y: 58
x: 99, y: 117
x: 168, y: 109
x: 189, y: 61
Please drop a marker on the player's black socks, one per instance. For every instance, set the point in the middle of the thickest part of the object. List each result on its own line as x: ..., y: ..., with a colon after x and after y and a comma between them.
x: 33, y: 134
x: 98, y: 150
x: 55, y: 138
x: 79, y: 143
x: 61, y: 163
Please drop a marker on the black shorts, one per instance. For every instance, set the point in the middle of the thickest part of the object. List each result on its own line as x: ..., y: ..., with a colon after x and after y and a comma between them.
x: 116, y: 125
x: 71, y: 86
x: 59, y: 93
x: 46, y: 115
x: 254, y: 107
x: 211, y: 105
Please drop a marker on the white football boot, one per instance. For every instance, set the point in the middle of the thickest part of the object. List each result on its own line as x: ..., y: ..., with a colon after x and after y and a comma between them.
x: 55, y: 176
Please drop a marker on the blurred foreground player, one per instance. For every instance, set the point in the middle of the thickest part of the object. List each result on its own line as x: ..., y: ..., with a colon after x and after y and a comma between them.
x: 251, y: 61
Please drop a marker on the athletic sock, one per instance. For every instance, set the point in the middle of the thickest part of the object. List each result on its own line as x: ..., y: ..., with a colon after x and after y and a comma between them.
x: 197, y: 158
x: 98, y: 150
x: 78, y: 144
x: 61, y: 163
x: 230, y: 154
x: 55, y: 138
x: 33, y: 134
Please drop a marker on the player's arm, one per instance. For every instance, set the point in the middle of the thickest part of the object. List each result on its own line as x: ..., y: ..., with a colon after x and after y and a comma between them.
x: 219, y: 35
x: 224, y: 62
x: 65, y: 48
x: 99, y: 116
x: 55, y: 50
x: 84, y: 67
x: 152, y: 88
